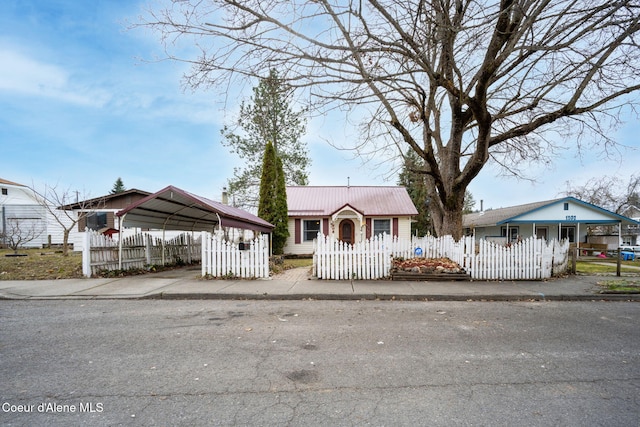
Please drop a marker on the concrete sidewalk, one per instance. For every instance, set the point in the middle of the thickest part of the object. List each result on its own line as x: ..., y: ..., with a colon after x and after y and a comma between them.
x: 188, y: 285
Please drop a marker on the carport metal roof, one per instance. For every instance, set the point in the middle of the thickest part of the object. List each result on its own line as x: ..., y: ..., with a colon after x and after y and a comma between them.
x: 174, y: 209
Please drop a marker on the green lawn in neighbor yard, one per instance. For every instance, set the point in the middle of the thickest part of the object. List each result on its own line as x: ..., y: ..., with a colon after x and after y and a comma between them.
x: 626, y: 286
x: 597, y: 266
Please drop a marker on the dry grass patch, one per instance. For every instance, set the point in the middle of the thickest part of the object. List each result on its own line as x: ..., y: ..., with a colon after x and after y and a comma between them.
x: 40, y: 264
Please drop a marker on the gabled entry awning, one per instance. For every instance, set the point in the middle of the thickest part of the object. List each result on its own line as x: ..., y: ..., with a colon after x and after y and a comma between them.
x: 174, y: 209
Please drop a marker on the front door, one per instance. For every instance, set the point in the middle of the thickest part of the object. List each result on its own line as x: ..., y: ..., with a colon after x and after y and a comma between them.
x: 347, y: 231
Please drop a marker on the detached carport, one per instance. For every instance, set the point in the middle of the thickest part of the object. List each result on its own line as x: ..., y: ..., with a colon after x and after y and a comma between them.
x: 175, y: 209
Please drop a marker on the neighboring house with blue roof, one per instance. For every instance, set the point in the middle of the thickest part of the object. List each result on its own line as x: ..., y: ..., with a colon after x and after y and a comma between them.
x: 567, y: 217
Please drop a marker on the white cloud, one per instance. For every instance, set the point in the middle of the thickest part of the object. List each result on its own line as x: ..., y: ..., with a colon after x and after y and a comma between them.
x: 23, y: 75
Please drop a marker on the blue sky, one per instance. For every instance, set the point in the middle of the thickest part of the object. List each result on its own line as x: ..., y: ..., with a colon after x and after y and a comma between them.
x: 81, y: 105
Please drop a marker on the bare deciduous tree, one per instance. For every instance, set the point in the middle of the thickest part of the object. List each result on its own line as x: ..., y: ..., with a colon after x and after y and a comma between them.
x: 20, y: 231
x: 59, y: 202
x: 457, y: 81
x: 610, y: 192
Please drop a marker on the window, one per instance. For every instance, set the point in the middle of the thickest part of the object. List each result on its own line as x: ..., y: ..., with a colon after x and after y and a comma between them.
x: 566, y: 206
x: 5, y: 191
x: 513, y: 233
x: 310, y: 230
x: 568, y: 233
x: 97, y: 220
x: 381, y: 226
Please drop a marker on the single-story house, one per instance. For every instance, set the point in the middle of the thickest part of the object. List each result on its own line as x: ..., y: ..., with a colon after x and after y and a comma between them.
x: 349, y: 213
x: 565, y: 218
x: 101, y: 211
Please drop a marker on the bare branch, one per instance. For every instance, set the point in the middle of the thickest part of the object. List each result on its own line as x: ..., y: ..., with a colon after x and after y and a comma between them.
x: 458, y: 81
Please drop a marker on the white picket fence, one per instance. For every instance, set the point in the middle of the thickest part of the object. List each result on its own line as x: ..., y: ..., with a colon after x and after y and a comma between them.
x: 222, y: 258
x: 530, y: 259
x: 102, y: 252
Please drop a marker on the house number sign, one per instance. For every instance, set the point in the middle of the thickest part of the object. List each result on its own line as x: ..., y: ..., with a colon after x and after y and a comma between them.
x: 571, y: 218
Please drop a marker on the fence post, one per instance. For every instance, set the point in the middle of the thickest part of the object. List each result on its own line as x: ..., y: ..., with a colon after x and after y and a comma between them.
x: 86, y: 255
x: 205, y: 262
x: 147, y: 248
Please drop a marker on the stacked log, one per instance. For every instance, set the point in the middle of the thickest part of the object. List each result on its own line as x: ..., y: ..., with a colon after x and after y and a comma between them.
x: 427, y: 269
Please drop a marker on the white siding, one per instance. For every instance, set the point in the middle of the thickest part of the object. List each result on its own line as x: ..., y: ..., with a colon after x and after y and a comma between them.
x: 22, y: 204
x: 25, y: 222
x: 304, y: 248
x: 404, y: 228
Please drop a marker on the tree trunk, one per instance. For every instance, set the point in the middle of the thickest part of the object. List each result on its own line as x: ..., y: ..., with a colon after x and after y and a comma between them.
x: 452, y: 223
x: 65, y: 242
x: 447, y: 214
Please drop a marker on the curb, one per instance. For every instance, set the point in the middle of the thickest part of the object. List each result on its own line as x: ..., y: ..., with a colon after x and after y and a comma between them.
x: 391, y: 297
x: 335, y: 297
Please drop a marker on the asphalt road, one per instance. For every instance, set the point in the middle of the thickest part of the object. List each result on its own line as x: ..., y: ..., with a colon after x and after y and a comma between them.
x: 333, y: 363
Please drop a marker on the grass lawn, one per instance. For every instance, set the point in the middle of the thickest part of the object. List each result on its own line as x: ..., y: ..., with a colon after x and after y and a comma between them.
x: 39, y: 264
x: 298, y: 262
x: 288, y: 263
x: 596, y: 267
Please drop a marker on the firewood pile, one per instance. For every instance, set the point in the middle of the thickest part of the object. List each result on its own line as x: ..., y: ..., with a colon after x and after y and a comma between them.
x: 427, y: 269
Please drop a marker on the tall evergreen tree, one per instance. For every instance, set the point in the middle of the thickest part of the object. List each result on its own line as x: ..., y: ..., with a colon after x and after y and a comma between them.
x: 118, y: 187
x: 469, y: 202
x: 268, y: 116
x: 272, y: 205
x: 416, y: 185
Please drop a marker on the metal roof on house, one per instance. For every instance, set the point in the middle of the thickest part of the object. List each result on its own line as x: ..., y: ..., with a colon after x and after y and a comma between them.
x: 511, y: 214
x: 370, y: 201
x: 174, y: 209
